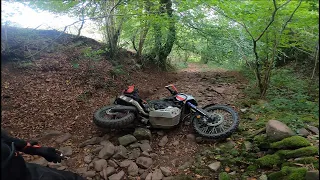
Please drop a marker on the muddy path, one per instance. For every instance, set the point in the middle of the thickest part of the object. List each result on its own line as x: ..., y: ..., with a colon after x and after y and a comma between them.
x: 35, y: 101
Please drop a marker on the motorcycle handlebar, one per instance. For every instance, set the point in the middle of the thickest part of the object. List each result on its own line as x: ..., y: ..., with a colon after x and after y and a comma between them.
x: 174, y: 91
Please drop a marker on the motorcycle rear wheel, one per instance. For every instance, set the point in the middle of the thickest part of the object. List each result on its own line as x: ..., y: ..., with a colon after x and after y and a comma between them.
x: 104, y: 119
x: 222, y: 130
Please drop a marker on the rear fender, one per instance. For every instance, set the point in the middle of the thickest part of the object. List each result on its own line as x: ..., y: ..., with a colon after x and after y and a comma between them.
x: 119, y: 108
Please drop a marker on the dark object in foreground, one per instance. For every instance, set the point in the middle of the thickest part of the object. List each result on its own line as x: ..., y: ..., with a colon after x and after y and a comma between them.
x: 13, y: 166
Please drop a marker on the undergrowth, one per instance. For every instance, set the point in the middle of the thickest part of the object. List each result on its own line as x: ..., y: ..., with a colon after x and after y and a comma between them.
x: 290, y: 99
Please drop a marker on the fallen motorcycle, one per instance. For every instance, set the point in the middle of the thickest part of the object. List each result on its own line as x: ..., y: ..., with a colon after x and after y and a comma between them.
x: 212, y: 121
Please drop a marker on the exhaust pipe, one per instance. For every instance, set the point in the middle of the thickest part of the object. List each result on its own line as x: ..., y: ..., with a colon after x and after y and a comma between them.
x: 135, y: 103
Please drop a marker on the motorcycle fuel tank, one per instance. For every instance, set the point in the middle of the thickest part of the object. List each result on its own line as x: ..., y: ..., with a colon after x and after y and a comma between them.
x: 165, y: 118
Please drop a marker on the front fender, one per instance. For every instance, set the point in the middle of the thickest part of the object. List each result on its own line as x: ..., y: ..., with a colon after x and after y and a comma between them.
x: 213, y: 104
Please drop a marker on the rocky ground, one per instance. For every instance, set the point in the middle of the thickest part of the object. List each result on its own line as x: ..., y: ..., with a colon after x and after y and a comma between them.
x: 52, y: 101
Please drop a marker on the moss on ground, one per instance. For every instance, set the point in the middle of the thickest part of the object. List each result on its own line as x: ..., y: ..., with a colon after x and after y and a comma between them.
x: 224, y: 176
x: 251, y: 168
x: 305, y: 151
x: 269, y: 160
x: 291, y: 142
x: 288, y: 173
x: 261, y: 140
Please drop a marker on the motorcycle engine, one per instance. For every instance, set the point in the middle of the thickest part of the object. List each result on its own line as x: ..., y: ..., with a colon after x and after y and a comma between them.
x: 163, y: 115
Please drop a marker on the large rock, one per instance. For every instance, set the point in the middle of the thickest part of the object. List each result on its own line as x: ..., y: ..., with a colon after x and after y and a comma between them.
x: 157, y: 175
x: 312, y: 175
x: 313, y: 129
x: 214, y: 166
x: 163, y: 141
x: 144, y: 162
x: 89, y: 174
x: 165, y: 171
x: 92, y: 141
x: 134, y: 154
x: 142, y: 133
x: 125, y: 163
x: 63, y: 138
x: 135, y: 145
x: 133, y: 169
x: 120, y: 153
x: 67, y: 151
x: 149, y: 176
x: 107, y: 151
x: 127, y: 139
x: 100, y: 164
x: 81, y: 170
x: 145, y: 147
x: 277, y: 130
x: 97, y: 149
x: 87, y: 159
x: 303, y: 132
x: 112, y: 163
x: 50, y: 134
x: 144, y: 175
x: 117, y: 176
x: 107, y: 172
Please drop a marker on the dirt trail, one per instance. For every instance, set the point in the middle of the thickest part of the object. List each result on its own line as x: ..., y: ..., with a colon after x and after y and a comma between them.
x: 34, y: 101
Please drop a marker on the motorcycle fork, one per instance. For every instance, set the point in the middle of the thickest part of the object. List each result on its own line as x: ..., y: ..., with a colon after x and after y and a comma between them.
x: 199, y: 110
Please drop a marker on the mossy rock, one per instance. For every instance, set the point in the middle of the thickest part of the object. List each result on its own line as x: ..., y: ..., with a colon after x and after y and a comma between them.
x: 276, y: 175
x: 224, y: 176
x: 291, y: 142
x: 303, y: 160
x: 305, y: 151
x: 269, y: 160
x: 293, y: 173
x: 306, y: 160
x: 288, y: 173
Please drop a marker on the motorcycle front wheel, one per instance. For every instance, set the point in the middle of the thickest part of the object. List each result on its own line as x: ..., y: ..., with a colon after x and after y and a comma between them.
x: 227, y: 121
x: 105, y: 118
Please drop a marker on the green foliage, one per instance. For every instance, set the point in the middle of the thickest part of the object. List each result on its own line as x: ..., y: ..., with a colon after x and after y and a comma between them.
x: 117, y: 70
x: 291, y: 142
x: 93, y: 54
x: 224, y: 176
x: 291, y: 99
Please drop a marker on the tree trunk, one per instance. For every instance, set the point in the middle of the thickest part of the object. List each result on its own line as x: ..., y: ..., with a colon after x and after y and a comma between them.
x: 112, y: 31
x: 145, y: 30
